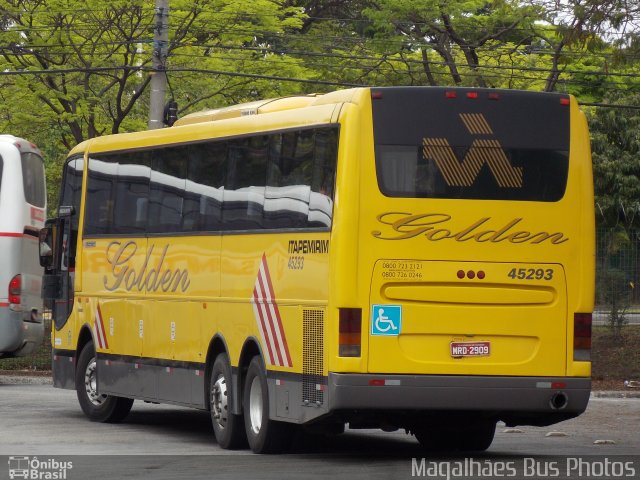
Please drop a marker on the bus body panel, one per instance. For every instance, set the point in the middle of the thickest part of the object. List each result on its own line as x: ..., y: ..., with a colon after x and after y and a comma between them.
x: 483, y: 290
x: 21, y: 326
x: 521, y: 252
x: 520, y: 327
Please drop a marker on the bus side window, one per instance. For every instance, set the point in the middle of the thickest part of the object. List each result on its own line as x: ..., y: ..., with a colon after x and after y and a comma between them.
x: 243, y: 196
x: 132, y: 188
x: 167, y: 190
x: 289, y: 180
x: 324, y: 177
x: 202, y: 210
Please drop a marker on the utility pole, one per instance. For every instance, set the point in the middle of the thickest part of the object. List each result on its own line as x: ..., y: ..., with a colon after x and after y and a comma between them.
x: 159, y: 74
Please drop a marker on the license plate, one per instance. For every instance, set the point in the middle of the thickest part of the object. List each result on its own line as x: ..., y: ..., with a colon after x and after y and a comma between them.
x: 470, y: 349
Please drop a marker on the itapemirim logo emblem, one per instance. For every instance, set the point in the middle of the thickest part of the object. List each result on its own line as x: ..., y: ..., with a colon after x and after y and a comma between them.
x: 33, y: 468
x: 463, y: 173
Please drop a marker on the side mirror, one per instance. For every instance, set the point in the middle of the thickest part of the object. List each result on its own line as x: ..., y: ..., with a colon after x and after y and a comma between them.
x: 46, y: 246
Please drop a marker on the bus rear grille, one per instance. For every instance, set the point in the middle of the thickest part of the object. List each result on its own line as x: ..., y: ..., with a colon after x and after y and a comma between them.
x: 313, y: 383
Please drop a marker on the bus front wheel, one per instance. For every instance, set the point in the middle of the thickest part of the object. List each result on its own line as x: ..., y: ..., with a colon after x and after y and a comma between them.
x: 264, y: 435
x: 98, y: 407
x: 227, y: 427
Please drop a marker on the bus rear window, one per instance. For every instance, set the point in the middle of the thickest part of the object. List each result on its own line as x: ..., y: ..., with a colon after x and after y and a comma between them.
x: 498, y: 145
x: 33, y: 179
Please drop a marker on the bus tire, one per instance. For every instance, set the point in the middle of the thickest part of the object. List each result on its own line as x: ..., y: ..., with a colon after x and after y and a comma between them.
x: 227, y: 427
x: 263, y: 434
x: 476, y: 437
x: 99, y: 408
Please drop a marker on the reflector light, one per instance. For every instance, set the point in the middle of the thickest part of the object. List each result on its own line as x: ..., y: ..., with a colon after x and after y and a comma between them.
x: 565, y: 101
x: 15, y: 289
x: 376, y: 382
x: 451, y: 94
x: 494, y: 96
x: 472, y: 94
x: 376, y: 95
x: 558, y: 385
x: 350, y: 332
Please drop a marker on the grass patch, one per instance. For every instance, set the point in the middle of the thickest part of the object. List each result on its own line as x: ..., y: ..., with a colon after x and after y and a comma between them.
x: 616, y: 357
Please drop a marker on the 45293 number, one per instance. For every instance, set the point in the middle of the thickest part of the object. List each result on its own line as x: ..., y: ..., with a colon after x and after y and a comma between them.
x: 531, y: 273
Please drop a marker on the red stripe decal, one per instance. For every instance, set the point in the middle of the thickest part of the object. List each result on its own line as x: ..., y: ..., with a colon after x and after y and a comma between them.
x: 260, y: 317
x: 277, y: 311
x: 102, y: 337
x: 268, y: 318
x: 12, y: 234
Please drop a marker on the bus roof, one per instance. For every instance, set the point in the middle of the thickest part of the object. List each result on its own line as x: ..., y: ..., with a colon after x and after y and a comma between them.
x: 268, y: 106
x: 203, y: 121
x: 22, y: 144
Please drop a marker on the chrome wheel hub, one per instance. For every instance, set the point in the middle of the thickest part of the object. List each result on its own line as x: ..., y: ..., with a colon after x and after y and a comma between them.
x: 91, y: 384
x: 219, y: 402
x: 255, y: 405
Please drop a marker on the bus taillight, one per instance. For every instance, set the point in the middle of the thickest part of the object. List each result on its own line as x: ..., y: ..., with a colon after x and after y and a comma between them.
x: 15, y: 289
x: 350, y: 332
x: 582, y: 336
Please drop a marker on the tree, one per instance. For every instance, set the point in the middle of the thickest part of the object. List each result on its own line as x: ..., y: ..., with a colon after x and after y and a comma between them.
x: 458, y: 32
x: 87, y: 63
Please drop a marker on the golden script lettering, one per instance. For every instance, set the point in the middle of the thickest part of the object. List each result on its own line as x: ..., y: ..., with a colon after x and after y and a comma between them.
x: 434, y: 227
x: 149, y: 278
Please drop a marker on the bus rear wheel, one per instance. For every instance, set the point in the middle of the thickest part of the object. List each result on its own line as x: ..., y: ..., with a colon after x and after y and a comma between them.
x: 98, y: 407
x: 227, y: 427
x: 264, y: 435
x: 475, y: 437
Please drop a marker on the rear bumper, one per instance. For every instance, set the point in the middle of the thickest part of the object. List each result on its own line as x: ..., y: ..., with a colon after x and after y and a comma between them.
x: 18, y: 334
x: 502, y: 395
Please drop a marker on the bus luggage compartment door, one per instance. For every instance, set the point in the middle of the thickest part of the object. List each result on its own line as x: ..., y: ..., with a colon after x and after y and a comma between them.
x: 467, y: 318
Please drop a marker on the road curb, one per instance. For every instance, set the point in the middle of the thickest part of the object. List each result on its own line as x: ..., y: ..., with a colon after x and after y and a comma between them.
x: 25, y: 380
x: 626, y: 394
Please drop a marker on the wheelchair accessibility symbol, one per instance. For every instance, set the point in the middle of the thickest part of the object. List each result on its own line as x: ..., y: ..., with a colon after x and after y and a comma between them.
x: 386, y: 320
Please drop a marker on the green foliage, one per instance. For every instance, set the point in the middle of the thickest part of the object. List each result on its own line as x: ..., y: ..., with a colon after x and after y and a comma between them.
x: 616, y: 162
x: 72, y: 70
x: 614, y: 290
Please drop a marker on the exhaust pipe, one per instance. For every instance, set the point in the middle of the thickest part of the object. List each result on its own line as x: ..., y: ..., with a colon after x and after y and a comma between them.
x: 559, y: 401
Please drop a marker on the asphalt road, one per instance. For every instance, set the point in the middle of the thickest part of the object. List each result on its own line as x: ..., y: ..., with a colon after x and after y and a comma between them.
x: 160, y: 441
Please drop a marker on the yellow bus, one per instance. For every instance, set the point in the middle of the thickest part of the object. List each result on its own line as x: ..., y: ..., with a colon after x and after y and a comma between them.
x: 397, y: 258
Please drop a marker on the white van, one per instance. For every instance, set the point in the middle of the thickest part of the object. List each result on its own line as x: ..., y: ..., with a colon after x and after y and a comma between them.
x: 23, y: 206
